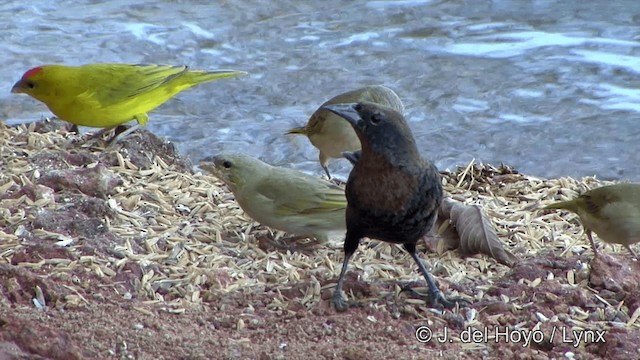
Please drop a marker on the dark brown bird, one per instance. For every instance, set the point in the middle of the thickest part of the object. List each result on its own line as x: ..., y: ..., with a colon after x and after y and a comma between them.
x: 393, y: 194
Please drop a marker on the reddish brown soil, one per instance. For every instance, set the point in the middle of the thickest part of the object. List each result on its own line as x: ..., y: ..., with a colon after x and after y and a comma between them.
x: 238, y: 325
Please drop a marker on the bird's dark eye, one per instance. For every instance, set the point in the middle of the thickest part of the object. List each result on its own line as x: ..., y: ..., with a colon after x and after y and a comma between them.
x: 30, y: 84
x: 227, y: 164
x: 376, y: 119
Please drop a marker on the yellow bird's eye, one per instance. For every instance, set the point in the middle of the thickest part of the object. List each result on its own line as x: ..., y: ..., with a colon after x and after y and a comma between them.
x: 30, y: 84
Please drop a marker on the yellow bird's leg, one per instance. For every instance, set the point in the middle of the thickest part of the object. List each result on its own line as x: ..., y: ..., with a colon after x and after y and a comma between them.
x: 593, y: 244
x: 122, y: 135
x: 141, y: 118
x: 90, y: 138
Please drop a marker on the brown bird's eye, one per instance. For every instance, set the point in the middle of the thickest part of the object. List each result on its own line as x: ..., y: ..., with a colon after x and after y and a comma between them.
x: 227, y: 164
x: 376, y: 119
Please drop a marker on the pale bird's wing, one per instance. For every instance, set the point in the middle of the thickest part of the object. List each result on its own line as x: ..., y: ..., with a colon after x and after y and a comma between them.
x: 299, y: 195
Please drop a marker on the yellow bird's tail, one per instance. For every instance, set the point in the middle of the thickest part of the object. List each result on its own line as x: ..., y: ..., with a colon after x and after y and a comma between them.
x: 198, y: 76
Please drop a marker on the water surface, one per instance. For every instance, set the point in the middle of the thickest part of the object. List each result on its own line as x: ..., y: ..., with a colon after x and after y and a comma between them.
x: 552, y: 89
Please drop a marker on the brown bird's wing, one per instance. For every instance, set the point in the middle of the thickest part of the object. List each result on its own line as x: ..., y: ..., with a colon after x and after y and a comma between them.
x: 129, y: 81
x: 297, y: 196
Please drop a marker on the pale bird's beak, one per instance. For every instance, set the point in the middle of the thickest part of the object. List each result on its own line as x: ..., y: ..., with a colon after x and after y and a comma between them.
x: 346, y: 111
x: 208, y: 164
x: 211, y: 164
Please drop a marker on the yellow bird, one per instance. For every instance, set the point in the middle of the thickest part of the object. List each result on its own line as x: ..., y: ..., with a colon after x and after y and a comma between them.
x: 281, y: 198
x: 331, y: 134
x: 612, y: 212
x: 108, y: 95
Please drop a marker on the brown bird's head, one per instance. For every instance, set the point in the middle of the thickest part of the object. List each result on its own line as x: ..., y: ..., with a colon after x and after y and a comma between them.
x: 380, y: 129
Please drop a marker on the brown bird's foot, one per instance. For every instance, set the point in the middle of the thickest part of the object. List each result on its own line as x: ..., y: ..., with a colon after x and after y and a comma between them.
x: 339, y: 302
x: 74, y: 129
x: 449, y: 303
x: 437, y: 300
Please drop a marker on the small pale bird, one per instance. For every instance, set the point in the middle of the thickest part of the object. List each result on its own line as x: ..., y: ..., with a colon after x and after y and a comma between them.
x: 281, y: 198
x: 612, y: 212
x: 331, y: 134
x: 108, y: 95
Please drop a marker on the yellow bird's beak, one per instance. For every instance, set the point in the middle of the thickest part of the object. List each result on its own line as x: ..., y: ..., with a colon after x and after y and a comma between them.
x: 17, y: 88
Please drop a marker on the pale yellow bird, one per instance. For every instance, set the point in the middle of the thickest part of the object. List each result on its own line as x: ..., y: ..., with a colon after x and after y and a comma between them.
x: 281, y: 198
x: 331, y: 134
x: 612, y: 212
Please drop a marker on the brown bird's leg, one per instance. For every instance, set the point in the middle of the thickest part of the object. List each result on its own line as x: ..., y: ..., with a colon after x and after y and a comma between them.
x: 593, y: 244
x: 74, y: 129
x: 350, y: 246
x: 435, y: 295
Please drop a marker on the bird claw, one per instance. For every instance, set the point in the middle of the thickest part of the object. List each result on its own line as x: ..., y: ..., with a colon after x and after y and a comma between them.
x: 338, y: 302
x: 449, y: 303
x: 438, y: 300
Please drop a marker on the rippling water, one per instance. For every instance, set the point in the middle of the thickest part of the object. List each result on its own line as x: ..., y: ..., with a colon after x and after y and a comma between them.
x: 552, y: 89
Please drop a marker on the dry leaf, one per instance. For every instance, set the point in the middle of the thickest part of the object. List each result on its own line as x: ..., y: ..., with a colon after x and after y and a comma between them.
x: 469, y: 228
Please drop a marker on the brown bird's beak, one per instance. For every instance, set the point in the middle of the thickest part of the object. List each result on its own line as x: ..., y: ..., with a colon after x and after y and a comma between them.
x: 17, y: 88
x: 346, y: 111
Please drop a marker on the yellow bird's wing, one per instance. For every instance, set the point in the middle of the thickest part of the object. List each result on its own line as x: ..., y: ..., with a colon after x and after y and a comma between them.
x: 122, y: 82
